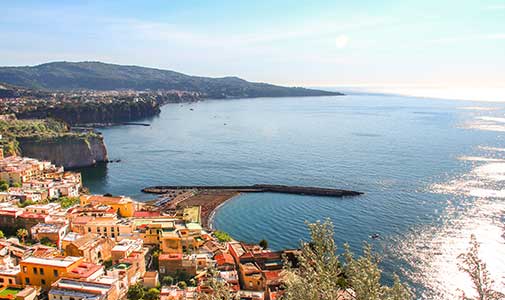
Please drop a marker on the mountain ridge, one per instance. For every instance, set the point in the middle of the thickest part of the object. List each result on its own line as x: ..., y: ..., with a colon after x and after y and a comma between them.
x: 95, y: 75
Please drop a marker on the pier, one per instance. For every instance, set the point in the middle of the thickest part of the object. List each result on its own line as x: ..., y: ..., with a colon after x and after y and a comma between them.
x: 257, y: 188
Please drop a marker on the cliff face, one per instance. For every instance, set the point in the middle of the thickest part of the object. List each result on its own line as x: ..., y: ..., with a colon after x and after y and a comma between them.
x: 115, y: 112
x: 70, y: 152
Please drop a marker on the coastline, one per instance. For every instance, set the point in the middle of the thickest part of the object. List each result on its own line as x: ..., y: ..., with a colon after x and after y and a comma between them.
x: 210, y: 219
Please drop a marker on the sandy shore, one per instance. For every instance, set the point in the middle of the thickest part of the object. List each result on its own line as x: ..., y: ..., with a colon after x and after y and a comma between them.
x: 209, y: 201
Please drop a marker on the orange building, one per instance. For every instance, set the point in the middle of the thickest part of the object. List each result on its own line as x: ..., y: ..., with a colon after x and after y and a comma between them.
x: 44, y: 271
x: 123, y: 205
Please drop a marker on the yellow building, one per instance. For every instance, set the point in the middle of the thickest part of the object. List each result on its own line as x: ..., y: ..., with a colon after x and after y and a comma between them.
x: 44, y: 271
x: 123, y: 205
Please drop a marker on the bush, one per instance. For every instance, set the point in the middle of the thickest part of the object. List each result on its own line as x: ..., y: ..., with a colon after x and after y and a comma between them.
x: 222, y: 236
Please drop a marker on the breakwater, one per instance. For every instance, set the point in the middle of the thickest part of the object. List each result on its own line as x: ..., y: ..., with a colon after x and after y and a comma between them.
x: 258, y: 188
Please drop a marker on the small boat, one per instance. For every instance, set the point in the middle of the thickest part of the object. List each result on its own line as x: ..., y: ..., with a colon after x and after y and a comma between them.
x: 191, y: 109
x: 375, y: 236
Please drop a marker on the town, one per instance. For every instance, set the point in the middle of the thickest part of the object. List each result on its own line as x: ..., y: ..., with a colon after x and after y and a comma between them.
x: 59, y: 243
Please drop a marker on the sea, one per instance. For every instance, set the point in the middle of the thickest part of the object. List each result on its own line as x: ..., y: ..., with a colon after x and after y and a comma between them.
x: 432, y: 172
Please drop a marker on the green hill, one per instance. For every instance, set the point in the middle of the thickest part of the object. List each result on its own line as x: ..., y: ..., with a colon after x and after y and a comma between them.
x: 101, y: 76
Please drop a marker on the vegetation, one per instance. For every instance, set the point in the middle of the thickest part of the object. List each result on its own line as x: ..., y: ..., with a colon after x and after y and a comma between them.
x: 47, y: 242
x: 222, y: 236
x: 167, y: 280
x: 101, y: 76
x: 4, y: 186
x: 263, y: 244
x: 1, y: 234
x: 483, y: 285
x: 22, y: 233
x: 322, y: 275
x: 139, y: 292
x: 67, y: 202
x: 220, y: 288
x: 46, y: 129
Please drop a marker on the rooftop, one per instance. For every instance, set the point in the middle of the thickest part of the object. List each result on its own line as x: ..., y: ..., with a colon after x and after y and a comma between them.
x: 52, y: 261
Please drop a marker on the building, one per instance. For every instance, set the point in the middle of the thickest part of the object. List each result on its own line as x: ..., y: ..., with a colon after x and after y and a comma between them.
x: 151, y: 279
x: 44, y: 271
x: 45, y: 209
x: 85, y: 271
x: 51, y: 232
x: 174, y: 264
x: 93, y: 248
x: 74, y: 289
x: 124, y: 206
x: 18, y: 170
x: 251, y: 277
x: 105, y: 226
x: 9, y: 275
x: 18, y: 292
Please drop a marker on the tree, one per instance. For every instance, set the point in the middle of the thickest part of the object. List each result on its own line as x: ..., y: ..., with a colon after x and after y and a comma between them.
x: 321, y: 275
x: 152, y: 294
x: 263, y: 244
x: 4, y: 186
x: 2, y: 235
x: 222, y: 236
x: 477, y: 270
x: 22, y: 234
x: 182, y: 284
x: 136, y: 292
x: 167, y: 280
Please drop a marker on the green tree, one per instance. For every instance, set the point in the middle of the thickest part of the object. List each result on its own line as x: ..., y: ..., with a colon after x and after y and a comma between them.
x: 136, y: 292
x: 167, y: 280
x: 222, y: 236
x: 477, y: 270
x: 263, y: 244
x: 22, y: 234
x: 47, y: 242
x: 182, y: 284
x: 152, y: 294
x: 4, y: 186
x: 321, y: 275
x: 2, y: 235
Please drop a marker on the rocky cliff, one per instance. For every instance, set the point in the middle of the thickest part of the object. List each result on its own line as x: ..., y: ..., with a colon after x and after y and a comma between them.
x: 67, y: 151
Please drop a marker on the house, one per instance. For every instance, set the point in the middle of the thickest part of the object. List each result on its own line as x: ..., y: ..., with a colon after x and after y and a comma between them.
x: 173, y: 264
x: 51, y: 232
x: 151, y: 279
x: 93, y: 247
x: 18, y: 292
x: 9, y: 274
x: 74, y: 289
x: 121, y: 204
x: 44, y: 271
x: 85, y: 271
x: 251, y: 277
x: 225, y: 262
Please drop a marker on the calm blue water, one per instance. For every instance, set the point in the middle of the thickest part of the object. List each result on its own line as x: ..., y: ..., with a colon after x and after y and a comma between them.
x: 409, y: 156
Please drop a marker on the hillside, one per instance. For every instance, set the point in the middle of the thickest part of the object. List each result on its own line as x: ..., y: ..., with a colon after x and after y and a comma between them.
x: 101, y: 76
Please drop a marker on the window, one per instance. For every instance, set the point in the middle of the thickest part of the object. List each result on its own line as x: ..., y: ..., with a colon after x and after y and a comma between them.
x: 98, y: 229
x: 55, y: 273
x: 41, y: 271
x: 24, y: 269
x: 27, y: 280
x: 89, y: 229
x: 105, y: 229
x: 34, y: 270
x: 112, y: 234
x: 112, y: 229
x: 1, y: 280
x: 10, y: 281
x: 42, y: 282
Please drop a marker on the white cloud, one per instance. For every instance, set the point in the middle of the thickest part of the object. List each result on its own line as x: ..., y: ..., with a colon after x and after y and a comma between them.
x: 341, y: 41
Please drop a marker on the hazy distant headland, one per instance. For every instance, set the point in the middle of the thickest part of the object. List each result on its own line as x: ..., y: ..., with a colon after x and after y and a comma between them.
x: 65, y: 76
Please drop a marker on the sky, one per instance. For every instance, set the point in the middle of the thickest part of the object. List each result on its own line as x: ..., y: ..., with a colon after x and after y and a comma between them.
x: 435, y: 43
